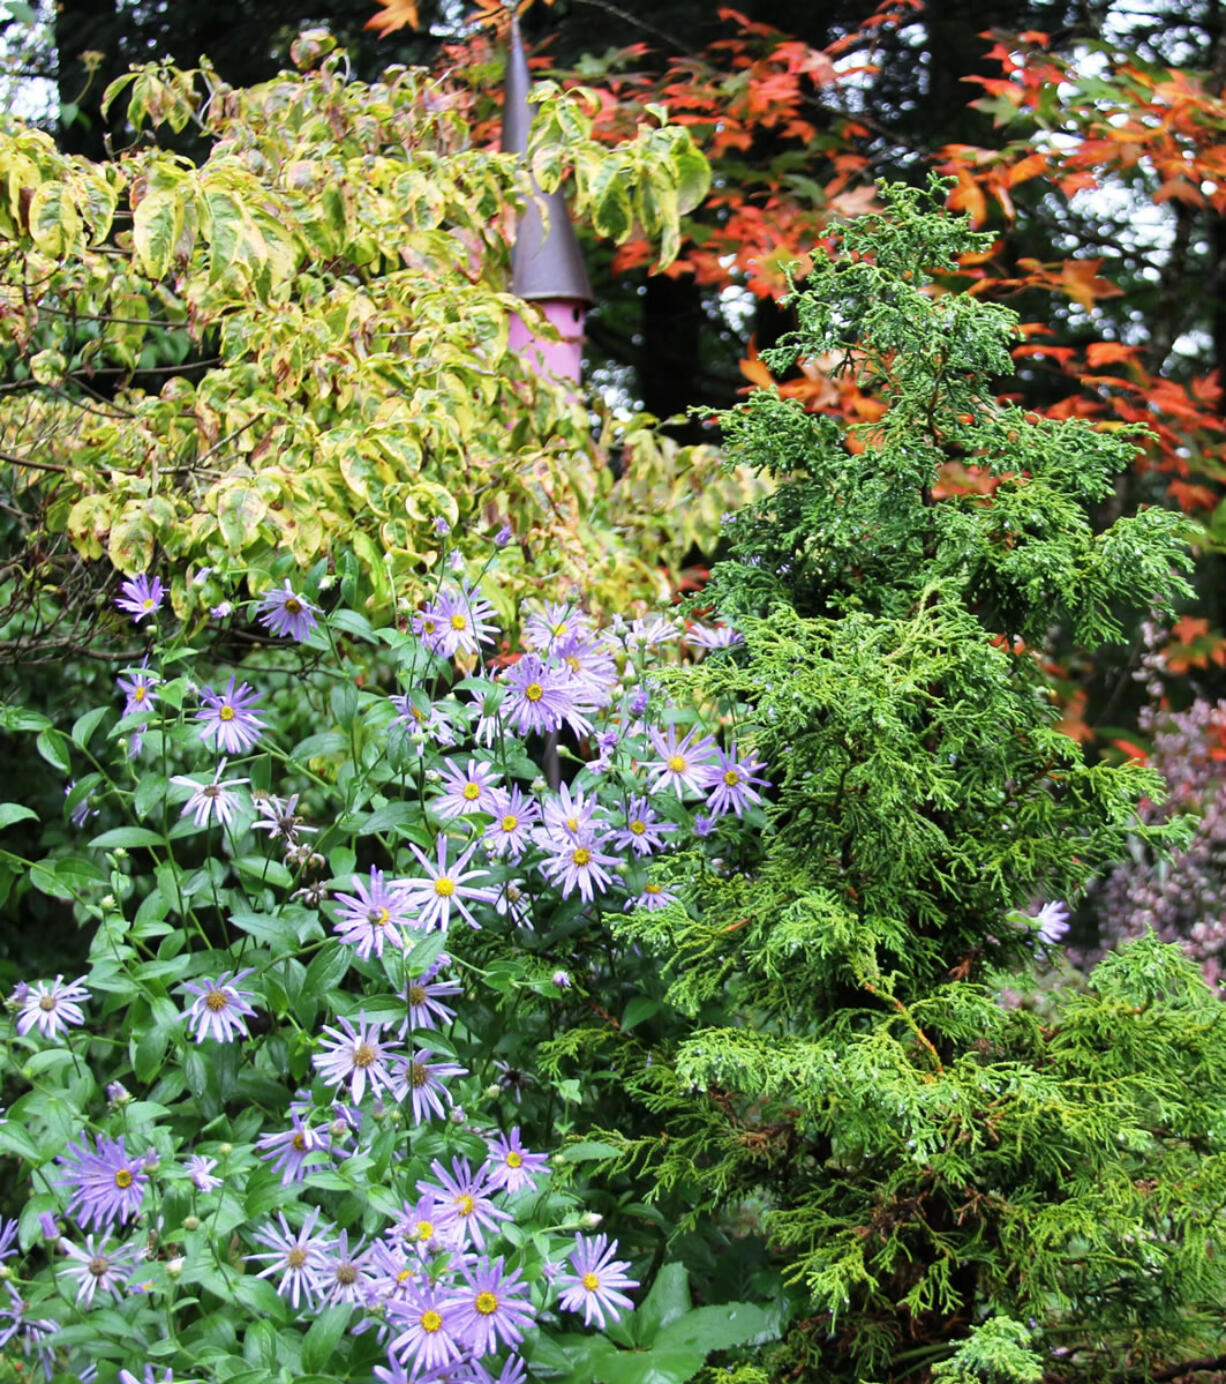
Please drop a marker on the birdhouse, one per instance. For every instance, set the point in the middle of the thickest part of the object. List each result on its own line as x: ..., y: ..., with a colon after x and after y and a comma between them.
x: 546, y: 266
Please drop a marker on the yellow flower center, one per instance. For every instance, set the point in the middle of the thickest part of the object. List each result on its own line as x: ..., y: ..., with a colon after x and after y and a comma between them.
x: 215, y: 1000
x: 638, y: 828
x: 581, y: 856
x: 444, y: 887
x: 47, y: 1003
x: 428, y: 626
x: 293, y: 607
x: 465, y: 1205
x: 431, y: 1321
x: 486, y: 1304
x: 458, y: 622
x: 425, y: 1230
x: 226, y: 714
x: 515, y: 1160
x: 510, y: 822
x: 472, y: 791
x: 380, y: 917
x: 534, y: 691
x: 149, y: 603
x: 404, y: 1275
x: 590, y: 1282
x: 572, y: 824
x: 653, y: 888
x: 676, y: 764
x: 558, y: 631
x: 296, y: 1258
x: 346, y: 1274
x: 138, y: 694
x: 123, y: 1178
x: 417, y: 995
x: 418, y: 1075
x: 299, y: 1141
x: 363, y: 1055
x: 731, y: 777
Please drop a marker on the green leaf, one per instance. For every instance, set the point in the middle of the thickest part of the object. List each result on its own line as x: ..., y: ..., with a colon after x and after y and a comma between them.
x: 390, y: 815
x: 610, y: 202
x: 130, y: 838
x: 588, y: 1149
x: 157, y: 224
x: 668, y: 1300
x: 53, y: 745
x: 320, y: 1342
x: 640, y: 1007
x: 326, y: 971
x: 721, y: 1327
x: 55, y: 223
x: 85, y: 725
x: 16, y: 812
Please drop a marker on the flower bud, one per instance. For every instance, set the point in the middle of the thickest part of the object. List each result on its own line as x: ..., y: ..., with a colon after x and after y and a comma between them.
x: 174, y: 1267
x: 191, y: 1222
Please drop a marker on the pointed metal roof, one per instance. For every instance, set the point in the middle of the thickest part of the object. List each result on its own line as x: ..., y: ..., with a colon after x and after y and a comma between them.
x: 544, y: 264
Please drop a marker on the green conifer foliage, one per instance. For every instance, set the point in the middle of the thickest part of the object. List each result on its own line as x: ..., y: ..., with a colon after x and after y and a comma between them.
x: 956, y: 1187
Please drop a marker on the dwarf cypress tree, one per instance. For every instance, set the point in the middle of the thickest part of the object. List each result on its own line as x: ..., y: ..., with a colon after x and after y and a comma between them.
x: 957, y: 1188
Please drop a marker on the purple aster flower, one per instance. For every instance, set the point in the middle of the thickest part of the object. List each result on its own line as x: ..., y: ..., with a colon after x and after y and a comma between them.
x: 703, y: 825
x: 423, y: 998
x: 200, y: 1170
x: 419, y: 1226
x: 493, y: 1307
x: 567, y: 817
x: 279, y: 818
x: 682, y: 763
x: 432, y: 723
x: 513, y: 903
x: 539, y: 699
x: 466, y: 1211
x: 99, y: 1267
x: 1051, y: 922
x: 513, y: 1371
x: 301, y: 1257
x: 515, y: 814
x: 445, y: 888
x: 284, y: 612
x: 211, y: 800
x: 654, y: 896
x: 8, y: 1238
x: 346, y: 1277
x: 430, y: 1337
x: 713, y: 636
x: 358, y: 1056
x: 503, y: 536
x: 374, y: 915
x: 553, y: 624
x: 84, y: 807
x: 590, y: 667
x: 578, y: 864
x: 107, y: 1185
x: 51, y: 1006
x: 127, y: 1377
x: 595, y: 1285
x: 393, y: 1265
x: 289, y: 1149
x: 422, y: 1082
x: 468, y: 790
x: 441, y: 527
x: 512, y: 1168
x: 138, y: 691
x: 647, y: 631
x: 456, y: 621
x: 140, y: 596
x: 641, y: 829
x: 227, y: 718
x: 732, y: 782
x: 220, y: 1010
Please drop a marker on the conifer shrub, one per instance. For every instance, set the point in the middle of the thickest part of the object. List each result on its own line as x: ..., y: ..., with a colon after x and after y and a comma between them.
x: 954, y: 1187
